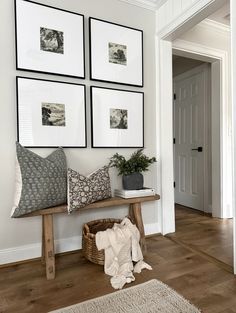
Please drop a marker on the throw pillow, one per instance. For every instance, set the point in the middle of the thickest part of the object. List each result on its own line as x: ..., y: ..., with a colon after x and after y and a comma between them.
x: 84, y: 190
x: 40, y: 182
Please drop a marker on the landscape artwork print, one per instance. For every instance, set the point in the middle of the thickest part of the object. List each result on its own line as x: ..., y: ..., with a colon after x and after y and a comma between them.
x: 51, y: 40
x: 118, y: 119
x: 53, y: 114
x: 117, y: 53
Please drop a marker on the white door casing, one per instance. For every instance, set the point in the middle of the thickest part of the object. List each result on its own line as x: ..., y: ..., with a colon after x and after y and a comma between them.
x: 165, y: 36
x: 233, y: 85
x: 221, y: 155
x: 189, y: 127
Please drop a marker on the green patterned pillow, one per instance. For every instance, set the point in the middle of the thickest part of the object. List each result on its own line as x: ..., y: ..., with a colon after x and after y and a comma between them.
x: 84, y: 190
x: 40, y: 182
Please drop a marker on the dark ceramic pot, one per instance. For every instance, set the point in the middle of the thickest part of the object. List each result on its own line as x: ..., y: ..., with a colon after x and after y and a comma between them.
x: 133, y: 181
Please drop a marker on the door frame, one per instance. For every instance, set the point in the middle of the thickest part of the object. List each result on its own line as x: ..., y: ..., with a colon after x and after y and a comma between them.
x: 205, y: 70
x: 222, y: 157
x: 164, y: 111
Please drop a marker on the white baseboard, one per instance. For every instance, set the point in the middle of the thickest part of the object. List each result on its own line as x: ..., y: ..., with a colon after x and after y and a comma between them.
x: 20, y: 253
x: 208, y: 209
x: 68, y: 244
x: 32, y: 251
x: 152, y: 228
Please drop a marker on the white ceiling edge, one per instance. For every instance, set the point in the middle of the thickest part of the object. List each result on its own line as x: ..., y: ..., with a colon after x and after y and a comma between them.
x: 216, y: 25
x: 152, y: 5
x: 159, y: 3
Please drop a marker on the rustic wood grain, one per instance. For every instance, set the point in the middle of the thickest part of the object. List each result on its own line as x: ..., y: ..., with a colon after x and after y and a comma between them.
x: 137, y: 214
x: 47, y: 225
x: 43, y: 243
x: 114, y: 201
x: 23, y: 288
x: 202, y: 280
x: 212, y: 236
x: 49, y: 246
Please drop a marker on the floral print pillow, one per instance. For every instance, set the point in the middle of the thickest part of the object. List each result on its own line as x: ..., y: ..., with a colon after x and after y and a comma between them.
x: 84, y: 190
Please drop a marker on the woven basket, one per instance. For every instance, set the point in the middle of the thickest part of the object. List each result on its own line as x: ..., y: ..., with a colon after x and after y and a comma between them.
x: 89, y: 247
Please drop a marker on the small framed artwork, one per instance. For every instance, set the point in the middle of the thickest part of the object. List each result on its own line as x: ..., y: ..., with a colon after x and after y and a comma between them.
x: 49, y: 40
x: 117, y: 118
x: 116, y: 53
x: 50, y: 113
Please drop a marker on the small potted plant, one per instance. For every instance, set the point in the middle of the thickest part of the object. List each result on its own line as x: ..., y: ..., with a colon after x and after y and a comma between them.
x: 132, y: 168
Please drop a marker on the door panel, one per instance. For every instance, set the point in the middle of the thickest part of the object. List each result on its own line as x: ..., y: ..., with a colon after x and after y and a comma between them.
x: 189, y: 134
x: 182, y: 167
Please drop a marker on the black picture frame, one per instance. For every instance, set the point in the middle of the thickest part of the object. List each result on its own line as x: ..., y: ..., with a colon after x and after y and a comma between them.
x: 30, y: 53
x: 107, y: 113
x: 128, y: 70
x: 33, y: 130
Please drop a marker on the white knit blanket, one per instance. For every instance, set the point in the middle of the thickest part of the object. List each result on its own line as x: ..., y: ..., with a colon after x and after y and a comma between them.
x: 121, y: 246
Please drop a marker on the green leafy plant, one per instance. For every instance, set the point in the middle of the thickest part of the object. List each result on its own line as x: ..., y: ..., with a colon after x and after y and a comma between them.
x: 137, y: 163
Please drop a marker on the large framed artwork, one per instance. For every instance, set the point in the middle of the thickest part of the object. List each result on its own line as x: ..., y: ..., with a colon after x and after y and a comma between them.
x: 117, y: 118
x: 50, y: 113
x: 116, y: 53
x: 49, y: 40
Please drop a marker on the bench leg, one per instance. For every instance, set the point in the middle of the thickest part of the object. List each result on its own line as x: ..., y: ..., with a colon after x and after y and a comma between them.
x: 49, y: 246
x: 43, y: 243
x: 131, y: 214
x: 137, y: 213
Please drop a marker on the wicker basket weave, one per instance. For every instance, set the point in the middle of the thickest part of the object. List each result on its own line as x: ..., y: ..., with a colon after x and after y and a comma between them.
x: 89, y: 247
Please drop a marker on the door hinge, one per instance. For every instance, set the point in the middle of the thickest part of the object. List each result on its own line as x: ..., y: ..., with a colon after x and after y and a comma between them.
x: 173, y: 140
x: 174, y: 96
x: 174, y: 184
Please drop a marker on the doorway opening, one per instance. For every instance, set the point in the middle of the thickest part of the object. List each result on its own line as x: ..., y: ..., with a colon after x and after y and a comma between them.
x: 192, y: 133
x: 202, y: 151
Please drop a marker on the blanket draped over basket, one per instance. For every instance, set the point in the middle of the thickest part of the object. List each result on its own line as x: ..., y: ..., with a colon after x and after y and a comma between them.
x: 121, y: 246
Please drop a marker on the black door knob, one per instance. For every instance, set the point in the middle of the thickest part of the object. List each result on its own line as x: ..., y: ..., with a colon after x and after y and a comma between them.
x: 199, y: 149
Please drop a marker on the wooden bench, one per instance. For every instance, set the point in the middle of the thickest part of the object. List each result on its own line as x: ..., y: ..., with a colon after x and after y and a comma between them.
x: 48, y: 254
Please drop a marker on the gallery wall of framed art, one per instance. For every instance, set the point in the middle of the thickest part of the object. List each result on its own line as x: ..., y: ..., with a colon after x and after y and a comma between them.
x: 23, y: 235
x: 51, y: 40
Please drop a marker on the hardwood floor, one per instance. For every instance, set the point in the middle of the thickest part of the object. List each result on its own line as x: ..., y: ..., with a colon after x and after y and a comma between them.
x: 211, y: 236
x: 23, y: 287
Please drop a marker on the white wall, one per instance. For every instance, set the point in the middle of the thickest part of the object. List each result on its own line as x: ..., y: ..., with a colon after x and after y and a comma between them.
x: 20, y: 238
x: 205, y: 33
x: 233, y: 85
x: 174, y: 13
x: 171, y: 10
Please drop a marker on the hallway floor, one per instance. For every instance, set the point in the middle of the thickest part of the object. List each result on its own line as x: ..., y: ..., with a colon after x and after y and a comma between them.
x: 24, y: 288
x: 204, y: 234
x: 175, y: 260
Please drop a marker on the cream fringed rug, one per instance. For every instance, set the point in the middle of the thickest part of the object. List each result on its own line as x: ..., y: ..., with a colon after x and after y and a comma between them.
x: 150, y: 297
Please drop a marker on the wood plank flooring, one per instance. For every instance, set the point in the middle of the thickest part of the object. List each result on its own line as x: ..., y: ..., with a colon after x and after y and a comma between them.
x: 24, y: 289
x: 212, y: 236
